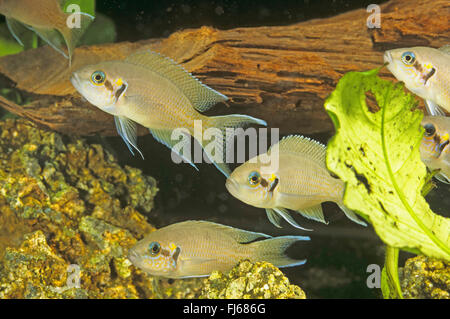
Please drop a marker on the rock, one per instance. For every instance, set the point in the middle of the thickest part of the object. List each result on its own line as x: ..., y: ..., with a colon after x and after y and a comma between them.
x: 79, y: 212
x: 249, y: 281
x: 68, y: 215
x: 425, y: 278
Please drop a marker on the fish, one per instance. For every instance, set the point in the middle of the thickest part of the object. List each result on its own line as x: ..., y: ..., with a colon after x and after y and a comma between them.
x: 152, y: 90
x: 47, y: 19
x: 300, y: 182
x: 435, y: 146
x: 425, y: 72
x: 197, y: 248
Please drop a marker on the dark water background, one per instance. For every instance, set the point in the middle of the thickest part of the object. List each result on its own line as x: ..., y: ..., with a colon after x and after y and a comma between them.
x: 338, y: 253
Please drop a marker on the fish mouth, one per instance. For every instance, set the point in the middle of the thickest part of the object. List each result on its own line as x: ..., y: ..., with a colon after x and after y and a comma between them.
x: 133, y: 256
x: 232, y: 186
x: 387, y: 57
x: 75, y: 80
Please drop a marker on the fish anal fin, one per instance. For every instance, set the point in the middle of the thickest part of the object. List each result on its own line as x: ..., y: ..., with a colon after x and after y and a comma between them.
x: 351, y: 215
x: 313, y: 213
x: 16, y: 28
x: 442, y: 178
x: 284, y: 213
x: 73, y: 35
x: 434, y: 109
x: 178, y: 147
x: 52, y: 37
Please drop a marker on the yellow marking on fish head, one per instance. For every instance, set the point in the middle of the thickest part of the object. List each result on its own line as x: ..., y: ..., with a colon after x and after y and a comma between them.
x: 172, y: 247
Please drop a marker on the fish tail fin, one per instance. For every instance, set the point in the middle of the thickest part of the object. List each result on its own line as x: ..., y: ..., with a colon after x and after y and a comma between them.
x: 273, y: 250
x: 224, y: 131
x: 72, y: 35
x: 351, y: 215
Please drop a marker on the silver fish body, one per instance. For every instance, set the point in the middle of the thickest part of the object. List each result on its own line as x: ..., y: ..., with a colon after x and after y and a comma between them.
x: 300, y: 182
x: 435, y: 146
x: 425, y: 72
x: 197, y: 248
x: 154, y: 91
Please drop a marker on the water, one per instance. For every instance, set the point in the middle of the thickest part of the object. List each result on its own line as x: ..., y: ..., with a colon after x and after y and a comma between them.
x: 339, y: 253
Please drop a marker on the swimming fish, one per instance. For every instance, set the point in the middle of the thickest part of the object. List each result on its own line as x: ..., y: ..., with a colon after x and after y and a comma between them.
x: 47, y: 19
x: 196, y: 248
x: 300, y: 182
x: 152, y: 90
x: 435, y: 146
x: 425, y: 72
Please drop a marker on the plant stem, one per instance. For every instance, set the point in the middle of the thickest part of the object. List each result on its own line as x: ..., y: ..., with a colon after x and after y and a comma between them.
x: 391, y: 266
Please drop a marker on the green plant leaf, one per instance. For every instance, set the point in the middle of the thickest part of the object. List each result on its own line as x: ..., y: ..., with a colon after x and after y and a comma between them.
x: 376, y: 152
x: 86, y: 6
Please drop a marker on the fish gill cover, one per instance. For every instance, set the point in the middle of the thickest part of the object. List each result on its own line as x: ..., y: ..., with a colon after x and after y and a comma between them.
x: 376, y: 152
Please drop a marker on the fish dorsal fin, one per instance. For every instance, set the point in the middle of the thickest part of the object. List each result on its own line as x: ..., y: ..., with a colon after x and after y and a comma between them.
x: 445, y: 49
x: 303, y: 146
x: 241, y: 236
x: 201, y: 96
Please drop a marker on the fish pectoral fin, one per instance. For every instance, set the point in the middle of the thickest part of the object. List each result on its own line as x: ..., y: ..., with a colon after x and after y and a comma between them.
x: 314, y: 213
x: 178, y: 147
x: 284, y: 213
x: 434, y: 109
x: 16, y: 28
x: 128, y: 132
x: 442, y: 178
x: 52, y: 37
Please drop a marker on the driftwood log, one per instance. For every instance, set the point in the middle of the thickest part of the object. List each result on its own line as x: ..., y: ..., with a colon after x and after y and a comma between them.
x: 280, y: 74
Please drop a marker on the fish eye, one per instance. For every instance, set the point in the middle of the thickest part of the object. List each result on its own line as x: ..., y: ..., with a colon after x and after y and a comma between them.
x: 429, y: 129
x: 154, y: 248
x: 408, y: 58
x: 254, y: 178
x: 98, y: 77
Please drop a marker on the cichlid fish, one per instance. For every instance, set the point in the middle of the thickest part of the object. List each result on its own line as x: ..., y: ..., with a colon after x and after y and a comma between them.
x: 301, y: 182
x: 435, y: 148
x: 154, y: 91
x: 196, y: 248
x: 425, y: 72
x: 47, y: 19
